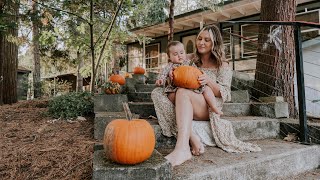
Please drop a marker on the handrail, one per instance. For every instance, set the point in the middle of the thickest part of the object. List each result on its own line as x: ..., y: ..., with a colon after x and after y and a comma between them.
x: 289, y: 23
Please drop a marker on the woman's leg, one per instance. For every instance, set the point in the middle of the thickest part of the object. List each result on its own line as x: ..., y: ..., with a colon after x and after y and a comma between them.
x: 189, y: 105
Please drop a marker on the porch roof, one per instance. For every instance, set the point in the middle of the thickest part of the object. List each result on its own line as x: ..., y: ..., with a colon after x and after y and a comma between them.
x: 192, y: 20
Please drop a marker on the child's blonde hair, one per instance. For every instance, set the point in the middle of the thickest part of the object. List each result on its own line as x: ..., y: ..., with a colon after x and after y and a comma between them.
x: 170, y: 44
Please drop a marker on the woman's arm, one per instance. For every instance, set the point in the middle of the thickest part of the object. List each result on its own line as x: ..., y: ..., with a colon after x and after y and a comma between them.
x: 224, y: 79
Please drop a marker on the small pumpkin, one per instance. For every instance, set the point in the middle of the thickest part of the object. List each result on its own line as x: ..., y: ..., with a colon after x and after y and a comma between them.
x: 128, y: 141
x: 111, y: 88
x: 117, y: 78
x: 186, y: 77
x: 139, y: 70
x: 127, y: 75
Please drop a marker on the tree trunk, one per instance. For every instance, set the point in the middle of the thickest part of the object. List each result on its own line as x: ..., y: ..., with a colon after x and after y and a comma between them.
x: 1, y: 56
x: 79, y: 77
x: 275, y: 63
x: 93, y: 72
x: 36, y: 53
x: 171, y: 21
x: 9, y: 56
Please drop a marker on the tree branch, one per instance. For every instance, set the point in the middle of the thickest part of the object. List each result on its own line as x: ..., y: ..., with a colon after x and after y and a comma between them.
x: 61, y: 10
x: 108, y: 34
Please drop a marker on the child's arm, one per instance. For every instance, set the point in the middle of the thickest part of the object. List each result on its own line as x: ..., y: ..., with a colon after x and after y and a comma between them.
x: 164, y: 74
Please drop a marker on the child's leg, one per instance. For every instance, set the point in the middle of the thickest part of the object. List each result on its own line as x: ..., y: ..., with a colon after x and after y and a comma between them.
x: 211, y: 100
x: 172, y: 97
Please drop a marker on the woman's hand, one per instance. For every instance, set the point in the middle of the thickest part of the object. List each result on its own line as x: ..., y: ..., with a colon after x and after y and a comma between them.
x: 204, y: 79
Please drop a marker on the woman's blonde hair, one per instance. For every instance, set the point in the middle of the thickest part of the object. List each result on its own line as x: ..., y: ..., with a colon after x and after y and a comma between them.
x: 217, y: 51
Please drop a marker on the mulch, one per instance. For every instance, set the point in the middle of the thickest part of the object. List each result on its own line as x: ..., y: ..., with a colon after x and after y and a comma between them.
x: 35, y: 146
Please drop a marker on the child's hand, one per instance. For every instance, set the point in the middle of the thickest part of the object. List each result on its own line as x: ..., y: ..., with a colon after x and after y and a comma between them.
x: 159, y: 82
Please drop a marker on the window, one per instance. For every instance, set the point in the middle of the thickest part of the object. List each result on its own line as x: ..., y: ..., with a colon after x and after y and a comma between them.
x: 309, y: 16
x: 152, y: 56
x: 227, y: 41
x: 249, y: 32
x: 134, y: 56
x: 189, y: 43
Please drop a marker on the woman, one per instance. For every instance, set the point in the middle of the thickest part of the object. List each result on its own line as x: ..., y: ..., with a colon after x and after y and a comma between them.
x: 185, y: 120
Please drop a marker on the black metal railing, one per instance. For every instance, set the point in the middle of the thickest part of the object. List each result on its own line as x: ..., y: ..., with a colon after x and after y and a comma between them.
x: 299, y: 70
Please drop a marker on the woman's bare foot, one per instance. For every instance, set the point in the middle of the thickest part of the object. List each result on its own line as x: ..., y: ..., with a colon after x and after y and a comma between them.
x: 177, y: 157
x: 197, y: 147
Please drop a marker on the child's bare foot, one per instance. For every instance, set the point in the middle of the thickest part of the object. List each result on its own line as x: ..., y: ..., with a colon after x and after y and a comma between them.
x: 177, y: 157
x: 197, y: 147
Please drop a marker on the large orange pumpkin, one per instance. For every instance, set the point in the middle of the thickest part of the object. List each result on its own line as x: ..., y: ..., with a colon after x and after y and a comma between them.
x: 139, y: 70
x: 129, y: 142
x: 186, y: 77
x: 117, y: 78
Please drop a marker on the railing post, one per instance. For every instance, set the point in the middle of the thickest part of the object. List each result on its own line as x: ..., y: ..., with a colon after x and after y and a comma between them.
x: 300, y: 85
x: 233, y: 51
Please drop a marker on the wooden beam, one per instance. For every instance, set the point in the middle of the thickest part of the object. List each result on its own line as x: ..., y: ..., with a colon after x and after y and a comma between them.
x: 211, y: 17
x: 185, y: 23
x: 145, y: 33
x: 257, y: 6
x: 240, y: 10
x: 225, y: 14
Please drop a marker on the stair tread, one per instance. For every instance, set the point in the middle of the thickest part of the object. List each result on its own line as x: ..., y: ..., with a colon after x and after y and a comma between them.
x: 215, y: 160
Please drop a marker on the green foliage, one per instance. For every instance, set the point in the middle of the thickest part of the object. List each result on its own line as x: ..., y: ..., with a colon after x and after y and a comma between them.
x: 71, y: 105
x: 59, y: 87
x: 147, y: 12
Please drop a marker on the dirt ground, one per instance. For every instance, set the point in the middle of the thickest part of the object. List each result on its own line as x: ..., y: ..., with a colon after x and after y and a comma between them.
x: 34, y: 146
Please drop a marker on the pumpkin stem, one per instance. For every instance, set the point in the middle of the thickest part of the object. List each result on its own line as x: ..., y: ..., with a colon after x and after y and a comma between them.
x: 127, y: 111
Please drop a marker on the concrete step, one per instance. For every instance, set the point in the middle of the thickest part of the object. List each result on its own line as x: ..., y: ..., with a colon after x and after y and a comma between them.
x: 240, y: 96
x: 145, y: 87
x: 245, y: 128
x: 139, y: 96
x: 236, y: 109
x: 144, y: 109
x: 254, y: 127
x: 277, y: 159
x: 290, y: 125
x: 270, y: 109
x: 154, y: 168
x: 109, y: 102
x: 308, y: 175
x: 242, y: 81
x: 102, y: 119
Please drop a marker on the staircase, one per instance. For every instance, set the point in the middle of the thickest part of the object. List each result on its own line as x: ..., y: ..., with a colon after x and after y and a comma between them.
x: 254, y: 122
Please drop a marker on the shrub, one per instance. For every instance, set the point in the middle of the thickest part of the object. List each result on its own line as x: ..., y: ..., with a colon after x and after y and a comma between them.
x: 71, y: 105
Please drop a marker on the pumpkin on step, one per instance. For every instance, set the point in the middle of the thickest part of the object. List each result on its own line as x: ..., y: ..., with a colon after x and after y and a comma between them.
x: 186, y: 77
x: 117, y: 78
x: 128, y: 141
x: 111, y: 88
x: 127, y: 75
x: 139, y: 70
